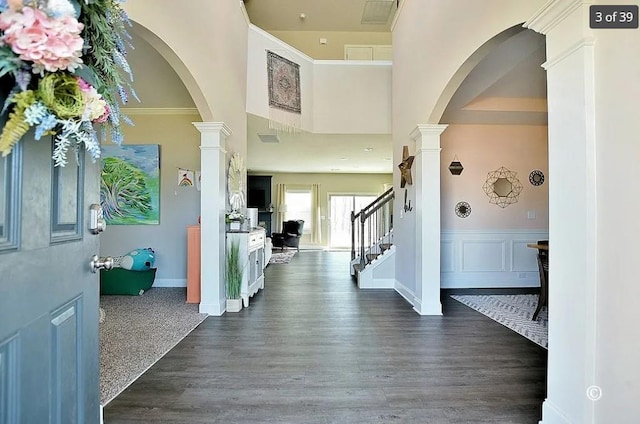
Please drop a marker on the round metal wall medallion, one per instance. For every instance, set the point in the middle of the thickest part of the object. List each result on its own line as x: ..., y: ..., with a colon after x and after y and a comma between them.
x: 536, y: 177
x: 463, y: 209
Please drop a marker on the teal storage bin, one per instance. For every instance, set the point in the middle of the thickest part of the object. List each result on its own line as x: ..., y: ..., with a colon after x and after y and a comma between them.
x: 126, y: 282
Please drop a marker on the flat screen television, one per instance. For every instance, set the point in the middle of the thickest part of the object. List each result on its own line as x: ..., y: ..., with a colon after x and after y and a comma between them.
x: 257, y: 199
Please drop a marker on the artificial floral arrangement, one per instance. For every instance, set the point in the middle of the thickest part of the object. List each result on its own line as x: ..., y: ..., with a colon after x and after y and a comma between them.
x: 62, y: 69
x: 234, y: 215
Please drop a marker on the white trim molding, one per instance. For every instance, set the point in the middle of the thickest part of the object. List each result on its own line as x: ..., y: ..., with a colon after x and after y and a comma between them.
x: 403, y: 291
x: 213, y: 309
x: 585, y: 42
x: 386, y: 63
x: 170, y: 282
x: 552, y: 415
x: 552, y: 13
x: 160, y: 111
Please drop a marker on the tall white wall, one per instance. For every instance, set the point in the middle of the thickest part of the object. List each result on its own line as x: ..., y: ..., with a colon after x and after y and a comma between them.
x: 352, y: 97
x: 617, y: 128
x: 207, y: 47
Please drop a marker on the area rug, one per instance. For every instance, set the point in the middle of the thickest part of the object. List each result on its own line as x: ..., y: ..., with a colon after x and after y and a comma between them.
x: 137, y: 331
x: 514, y: 312
x: 283, y: 257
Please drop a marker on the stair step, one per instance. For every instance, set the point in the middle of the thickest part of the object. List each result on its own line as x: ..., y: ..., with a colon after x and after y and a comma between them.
x: 372, y: 256
x: 357, y: 268
x: 385, y: 246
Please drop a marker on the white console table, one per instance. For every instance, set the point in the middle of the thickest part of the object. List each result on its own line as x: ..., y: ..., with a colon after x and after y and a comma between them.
x: 252, y: 245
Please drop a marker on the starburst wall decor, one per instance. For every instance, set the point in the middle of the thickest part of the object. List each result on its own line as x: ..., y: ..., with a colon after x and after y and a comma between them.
x: 502, y: 187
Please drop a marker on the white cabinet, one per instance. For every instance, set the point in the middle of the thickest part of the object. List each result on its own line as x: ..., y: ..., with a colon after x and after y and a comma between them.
x: 252, y: 245
x: 367, y: 52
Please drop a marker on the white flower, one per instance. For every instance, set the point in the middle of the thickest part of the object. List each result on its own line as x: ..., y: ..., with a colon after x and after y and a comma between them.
x: 59, y: 8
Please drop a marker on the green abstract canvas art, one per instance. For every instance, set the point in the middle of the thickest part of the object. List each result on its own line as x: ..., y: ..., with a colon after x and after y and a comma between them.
x: 130, y: 184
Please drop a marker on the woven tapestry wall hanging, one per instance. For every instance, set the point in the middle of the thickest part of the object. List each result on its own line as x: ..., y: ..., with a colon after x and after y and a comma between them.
x: 284, y: 93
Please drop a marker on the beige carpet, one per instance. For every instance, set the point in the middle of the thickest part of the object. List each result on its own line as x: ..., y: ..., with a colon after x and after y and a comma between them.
x: 139, y: 330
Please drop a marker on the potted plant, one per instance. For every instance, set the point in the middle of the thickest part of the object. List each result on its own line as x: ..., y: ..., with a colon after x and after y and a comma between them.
x: 234, y: 277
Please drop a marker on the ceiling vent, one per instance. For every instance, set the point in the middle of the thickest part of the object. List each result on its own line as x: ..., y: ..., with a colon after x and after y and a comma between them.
x: 377, y: 11
x: 269, y: 138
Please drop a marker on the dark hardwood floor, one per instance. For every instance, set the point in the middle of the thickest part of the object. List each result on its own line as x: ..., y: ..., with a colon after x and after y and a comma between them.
x: 312, y: 348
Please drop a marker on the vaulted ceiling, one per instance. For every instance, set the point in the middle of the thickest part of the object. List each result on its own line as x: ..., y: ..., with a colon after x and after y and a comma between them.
x: 507, y: 87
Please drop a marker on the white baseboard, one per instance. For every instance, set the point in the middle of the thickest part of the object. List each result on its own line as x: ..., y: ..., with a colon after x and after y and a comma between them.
x: 481, y: 280
x: 428, y: 308
x: 552, y: 415
x: 378, y: 283
x: 170, y: 282
x: 101, y: 414
x: 403, y: 291
x: 213, y: 309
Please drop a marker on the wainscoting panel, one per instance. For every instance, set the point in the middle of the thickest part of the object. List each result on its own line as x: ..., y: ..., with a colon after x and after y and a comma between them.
x: 483, y: 255
x: 489, y: 259
x: 521, y: 257
x: 446, y: 256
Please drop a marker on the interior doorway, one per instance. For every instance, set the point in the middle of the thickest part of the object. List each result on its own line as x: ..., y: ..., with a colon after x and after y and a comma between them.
x: 340, y: 208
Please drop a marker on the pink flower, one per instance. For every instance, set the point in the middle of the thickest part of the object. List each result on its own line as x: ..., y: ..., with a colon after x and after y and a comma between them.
x: 52, y: 44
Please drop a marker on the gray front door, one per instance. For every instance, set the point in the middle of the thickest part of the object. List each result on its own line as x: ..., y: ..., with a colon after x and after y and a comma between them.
x: 49, y: 365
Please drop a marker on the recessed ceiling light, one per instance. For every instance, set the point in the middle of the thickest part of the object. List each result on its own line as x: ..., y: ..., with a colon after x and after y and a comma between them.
x: 335, y: 169
x: 387, y: 158
x: 343, y: 159
x: 368, y: 149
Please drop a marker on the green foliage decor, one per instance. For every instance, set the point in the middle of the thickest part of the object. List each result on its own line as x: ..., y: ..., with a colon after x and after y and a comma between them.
x: 64, y: 72
x: 233, y: 271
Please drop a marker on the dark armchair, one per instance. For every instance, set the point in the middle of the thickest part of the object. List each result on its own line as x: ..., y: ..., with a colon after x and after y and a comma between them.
x: 290, y: 235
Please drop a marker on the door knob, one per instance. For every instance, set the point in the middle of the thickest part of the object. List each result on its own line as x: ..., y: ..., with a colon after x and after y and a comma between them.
x: 100, y: 263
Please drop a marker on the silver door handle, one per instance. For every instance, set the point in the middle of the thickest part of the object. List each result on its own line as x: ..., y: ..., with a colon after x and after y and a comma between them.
x: 100, y: 263
x: 97, y: 223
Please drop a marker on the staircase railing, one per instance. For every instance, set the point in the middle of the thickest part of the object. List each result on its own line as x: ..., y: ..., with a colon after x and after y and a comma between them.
x: 374, y: 223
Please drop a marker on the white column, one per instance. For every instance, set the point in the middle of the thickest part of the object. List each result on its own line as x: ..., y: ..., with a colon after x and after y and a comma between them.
x: 593, y: 224
x: 212, y: 209
x: 427, y: 183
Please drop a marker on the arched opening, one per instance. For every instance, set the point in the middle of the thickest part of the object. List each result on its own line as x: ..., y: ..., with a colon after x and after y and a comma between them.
x: 495, y: 107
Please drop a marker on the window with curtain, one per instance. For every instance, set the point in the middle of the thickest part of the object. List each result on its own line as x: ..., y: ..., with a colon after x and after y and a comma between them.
x: 298, y: 206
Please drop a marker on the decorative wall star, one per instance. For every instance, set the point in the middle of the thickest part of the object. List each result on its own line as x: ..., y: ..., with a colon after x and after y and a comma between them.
x: 405, y: 167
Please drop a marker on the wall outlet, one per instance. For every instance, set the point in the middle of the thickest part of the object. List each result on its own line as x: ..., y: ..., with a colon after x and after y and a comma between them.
x: 531, y: 214
x: 522, y: 275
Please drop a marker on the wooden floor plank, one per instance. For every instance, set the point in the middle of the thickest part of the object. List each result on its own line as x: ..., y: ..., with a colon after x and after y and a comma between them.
x: 312, y: 348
